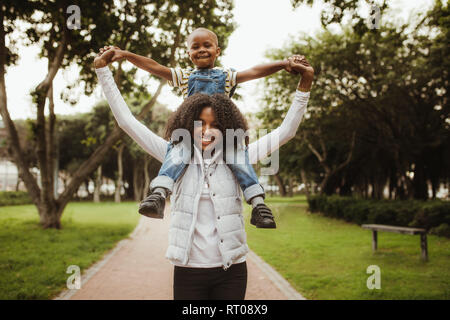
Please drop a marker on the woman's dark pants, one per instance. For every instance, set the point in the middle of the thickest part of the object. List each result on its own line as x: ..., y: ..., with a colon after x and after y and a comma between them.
x: 210, y: 283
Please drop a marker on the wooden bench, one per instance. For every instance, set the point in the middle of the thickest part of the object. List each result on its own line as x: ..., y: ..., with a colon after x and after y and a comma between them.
x: 379, y: 227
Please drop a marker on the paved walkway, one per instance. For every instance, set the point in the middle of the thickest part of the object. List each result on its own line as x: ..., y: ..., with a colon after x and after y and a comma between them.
x: 137, y: 269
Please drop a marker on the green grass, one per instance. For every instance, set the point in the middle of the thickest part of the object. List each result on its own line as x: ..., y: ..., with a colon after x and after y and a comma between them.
x: 33, y: 262
x: 295, y: 199
x: 325, y: 258
x: 322, y: 258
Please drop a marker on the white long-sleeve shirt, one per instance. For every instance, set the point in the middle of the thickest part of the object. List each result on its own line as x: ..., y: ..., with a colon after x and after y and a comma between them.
x: 204, y: 252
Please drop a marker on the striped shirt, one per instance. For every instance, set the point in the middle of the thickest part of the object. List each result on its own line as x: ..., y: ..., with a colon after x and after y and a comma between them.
x: 180, y: 78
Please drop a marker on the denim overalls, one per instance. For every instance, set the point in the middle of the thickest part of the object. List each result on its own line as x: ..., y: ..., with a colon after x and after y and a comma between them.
x: 208, y: 81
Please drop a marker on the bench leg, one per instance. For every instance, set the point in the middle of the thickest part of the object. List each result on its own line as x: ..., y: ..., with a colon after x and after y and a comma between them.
x: 424, y: 247
x: 374, y: 240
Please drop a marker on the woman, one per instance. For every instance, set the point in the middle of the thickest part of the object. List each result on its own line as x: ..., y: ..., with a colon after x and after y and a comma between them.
x: 207, y: 240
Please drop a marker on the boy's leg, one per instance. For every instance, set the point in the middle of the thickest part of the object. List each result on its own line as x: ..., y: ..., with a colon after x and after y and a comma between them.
x: 174, y: 163
x: 238, y: 161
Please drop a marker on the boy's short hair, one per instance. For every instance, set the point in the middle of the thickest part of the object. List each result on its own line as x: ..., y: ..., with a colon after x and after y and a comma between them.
x: 203, y: 29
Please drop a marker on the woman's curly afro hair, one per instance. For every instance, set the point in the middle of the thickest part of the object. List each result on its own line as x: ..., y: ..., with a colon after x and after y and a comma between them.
x: 226, y: 112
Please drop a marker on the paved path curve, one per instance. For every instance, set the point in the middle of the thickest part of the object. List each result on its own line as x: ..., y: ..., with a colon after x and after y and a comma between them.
x: 136, y: 269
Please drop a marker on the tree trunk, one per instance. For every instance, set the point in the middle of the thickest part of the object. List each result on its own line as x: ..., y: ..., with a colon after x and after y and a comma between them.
x: 392, y: 186
x: 98, y: 184
x: 280, y: 184
x: 420, y: 187
x: 50, y: 216
x: 119, y: 174
x: 322, y: 157
x: 86, y: 186
x: 137, y: 183
x: 323, y: 184
x: 147, y: 178
x: 291, y: 187
x: 303, y: 175
x: 51, y: 148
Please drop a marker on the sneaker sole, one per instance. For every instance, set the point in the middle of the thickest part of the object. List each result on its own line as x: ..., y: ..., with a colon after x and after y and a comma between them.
x: 149, y: 213
x: 272, y: 225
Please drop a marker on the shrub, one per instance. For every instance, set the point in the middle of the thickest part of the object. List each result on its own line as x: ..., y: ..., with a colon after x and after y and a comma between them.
x: 443, y: 230
x: 9, y: 198
x: 432, y: 215
x: 316, y: 203
x: 357, y: 212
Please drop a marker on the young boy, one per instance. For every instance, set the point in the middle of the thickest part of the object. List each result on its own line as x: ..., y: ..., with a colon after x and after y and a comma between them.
x: 203, y: 50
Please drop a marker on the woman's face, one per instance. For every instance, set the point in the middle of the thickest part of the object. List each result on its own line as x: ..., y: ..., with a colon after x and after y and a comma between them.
x: 207, y: 135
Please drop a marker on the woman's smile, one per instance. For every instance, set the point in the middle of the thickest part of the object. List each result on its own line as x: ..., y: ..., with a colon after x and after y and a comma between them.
x: 207, y: 133
x: 206, y: 140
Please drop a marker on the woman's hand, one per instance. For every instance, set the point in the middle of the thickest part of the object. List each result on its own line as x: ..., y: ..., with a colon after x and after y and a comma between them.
x: 291, y: 61
x: 299, y: 65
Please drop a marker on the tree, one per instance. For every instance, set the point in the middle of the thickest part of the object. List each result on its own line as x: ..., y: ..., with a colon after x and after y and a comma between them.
x: 389, y: 87
x: 156, y: 28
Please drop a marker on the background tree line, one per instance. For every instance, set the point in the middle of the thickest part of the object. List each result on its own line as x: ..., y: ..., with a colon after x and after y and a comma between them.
x: 378, y: 115
x: 80, y: 134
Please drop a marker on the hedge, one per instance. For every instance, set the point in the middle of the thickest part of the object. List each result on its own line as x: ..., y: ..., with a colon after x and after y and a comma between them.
x: 433, y: 215
x: 9, y: 198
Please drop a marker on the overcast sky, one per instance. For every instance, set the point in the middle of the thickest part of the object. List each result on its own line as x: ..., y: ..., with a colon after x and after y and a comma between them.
x: 262, y: 24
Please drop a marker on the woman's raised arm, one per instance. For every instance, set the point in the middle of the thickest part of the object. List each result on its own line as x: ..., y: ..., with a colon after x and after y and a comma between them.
x: 155, y: 145
x: 267, y: 144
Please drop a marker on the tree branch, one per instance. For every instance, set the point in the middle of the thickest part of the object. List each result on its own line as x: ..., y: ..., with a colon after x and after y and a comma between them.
x: 349, y: 157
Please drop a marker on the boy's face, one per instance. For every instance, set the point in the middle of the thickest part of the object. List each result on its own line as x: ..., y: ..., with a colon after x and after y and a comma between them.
x: 203, y: 49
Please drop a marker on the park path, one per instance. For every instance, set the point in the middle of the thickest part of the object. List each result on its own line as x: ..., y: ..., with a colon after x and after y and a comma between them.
x: 136, y: 269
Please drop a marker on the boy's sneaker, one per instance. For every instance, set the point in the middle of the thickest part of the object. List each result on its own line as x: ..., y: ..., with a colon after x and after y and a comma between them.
x: 153, y: 206
x: 262, y: 217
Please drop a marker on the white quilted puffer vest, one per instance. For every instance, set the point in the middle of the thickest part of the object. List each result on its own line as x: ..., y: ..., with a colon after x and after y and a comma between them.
x: 226, y: 198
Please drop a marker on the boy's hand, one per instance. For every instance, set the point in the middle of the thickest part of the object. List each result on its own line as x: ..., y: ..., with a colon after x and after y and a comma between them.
x: 117, y: 53
x: 288, y: 67
x: 107, y: 55
x: 299, y: 64
x: 103, y: 59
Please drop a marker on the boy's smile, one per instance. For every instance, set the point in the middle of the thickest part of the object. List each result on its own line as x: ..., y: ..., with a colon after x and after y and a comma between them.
x: 203, y: 49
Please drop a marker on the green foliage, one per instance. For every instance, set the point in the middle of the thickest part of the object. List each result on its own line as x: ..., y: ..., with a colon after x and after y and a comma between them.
x: 435, y: 216
x: 10, y: 198
x: 389, y: 87
x: 147, y: 27
x: 431, y: 215
x: 80, y: 134
x: 341, y: 11
x: 157, y: 29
